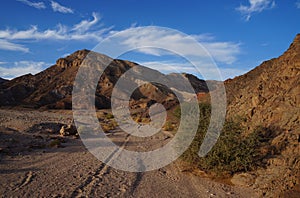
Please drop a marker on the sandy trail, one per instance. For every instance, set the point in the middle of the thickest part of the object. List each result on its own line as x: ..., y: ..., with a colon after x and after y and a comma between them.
x: 71, y: 171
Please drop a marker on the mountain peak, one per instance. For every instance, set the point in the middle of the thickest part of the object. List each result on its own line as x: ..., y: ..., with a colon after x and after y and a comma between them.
x: 295, y: 43
x: 258, y: 94
x: 297, y: 38
x: 80, y: 53
x: 293, y: 50
x: 52, y: 88
x: 74, y: 59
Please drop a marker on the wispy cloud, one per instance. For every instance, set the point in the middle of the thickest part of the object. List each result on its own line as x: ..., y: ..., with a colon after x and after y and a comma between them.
x: 224, y: 52
x: 85, y: 25
x: 59, y: 8
x: 170, y: 66
x: 175, y: 51
x: 20, y: 68
x: 227, y: 73
x: 37, y: 5
x: 33, y: 33
x: 82, y: 31
x: 90, y: 30
x: 7, y: 45
x: 255, y: 6
x: 298, y: 4
x: 167, y: 67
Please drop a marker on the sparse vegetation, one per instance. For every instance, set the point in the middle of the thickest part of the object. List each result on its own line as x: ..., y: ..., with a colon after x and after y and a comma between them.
x: 140, y: 119
x: 233, y: 152
x: 109, y: 116
x: 168, y: 126
x: 54, y: 143
x: 107, y: 126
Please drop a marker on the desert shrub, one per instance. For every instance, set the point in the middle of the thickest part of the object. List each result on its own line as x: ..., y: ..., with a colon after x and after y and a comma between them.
x: 232, y: 153
x: 109, y: 116
x: 55, y: 143
x: 204, y: 107
x: 146, y: 120
x: 109, y: 125
x: 177, y: 112
x: 139, y: 119
x: 168, y: 126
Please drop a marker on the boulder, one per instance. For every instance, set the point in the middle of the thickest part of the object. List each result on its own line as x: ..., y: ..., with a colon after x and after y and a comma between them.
x: 68, y: 130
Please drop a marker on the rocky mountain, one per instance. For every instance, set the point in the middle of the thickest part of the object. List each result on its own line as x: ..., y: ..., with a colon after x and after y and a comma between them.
x: 52, y: 88
x: 269, y: 96
x: 270, y: 93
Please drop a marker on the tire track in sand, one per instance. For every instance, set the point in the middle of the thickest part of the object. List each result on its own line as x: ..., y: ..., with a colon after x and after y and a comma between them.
x: 88, y: 186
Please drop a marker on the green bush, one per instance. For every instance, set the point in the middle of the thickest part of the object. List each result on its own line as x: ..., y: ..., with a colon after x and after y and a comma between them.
x: 232, y: 153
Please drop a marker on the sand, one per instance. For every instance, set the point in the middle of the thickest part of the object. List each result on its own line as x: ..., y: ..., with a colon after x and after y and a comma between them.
x: 32, y: 165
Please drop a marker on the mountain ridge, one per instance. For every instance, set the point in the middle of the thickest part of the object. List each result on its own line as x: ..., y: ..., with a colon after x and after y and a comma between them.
x: 273, y: 83
x: 269, y: 96
x: 52, y: 87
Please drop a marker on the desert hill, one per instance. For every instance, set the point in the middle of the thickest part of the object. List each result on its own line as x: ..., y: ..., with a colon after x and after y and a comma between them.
x: 269, y: 96
x: 270, y: 93
x: 52, y: 88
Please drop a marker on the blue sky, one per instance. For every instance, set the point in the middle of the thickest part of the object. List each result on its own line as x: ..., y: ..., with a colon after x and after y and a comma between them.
x: 238, y: 34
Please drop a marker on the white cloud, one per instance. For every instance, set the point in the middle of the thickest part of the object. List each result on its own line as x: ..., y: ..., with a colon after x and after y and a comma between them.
x: 82, y: 31
x: 168, y: 67
x: 224, y: 52
x: 298, y: 4
x: 59, y: 8
x: 227, y: 73
x: 34, y: 33
x: 6, y: 45
x: 85, y: 25
x: 256, y: 6
x: 37, y: 5
x: 20, y: 68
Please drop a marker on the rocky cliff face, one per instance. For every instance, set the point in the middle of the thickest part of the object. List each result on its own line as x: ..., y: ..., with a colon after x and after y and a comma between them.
x: 52, y: 88
x: 269, y: 96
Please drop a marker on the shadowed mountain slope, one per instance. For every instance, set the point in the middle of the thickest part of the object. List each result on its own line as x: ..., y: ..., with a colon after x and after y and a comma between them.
x: 52, y: 88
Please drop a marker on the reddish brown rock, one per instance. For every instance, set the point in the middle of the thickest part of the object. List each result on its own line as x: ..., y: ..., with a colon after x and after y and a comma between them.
x: 52, y: 88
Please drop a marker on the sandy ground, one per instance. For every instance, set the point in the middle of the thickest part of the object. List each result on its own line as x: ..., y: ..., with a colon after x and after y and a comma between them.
x: 31, y: 167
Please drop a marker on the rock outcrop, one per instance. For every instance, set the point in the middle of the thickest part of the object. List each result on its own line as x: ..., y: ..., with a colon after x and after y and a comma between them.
x: 269, y: 96
x: 68, y: 130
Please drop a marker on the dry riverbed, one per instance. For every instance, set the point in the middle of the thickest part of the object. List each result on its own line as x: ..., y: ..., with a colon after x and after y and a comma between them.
x: 35, y: 161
